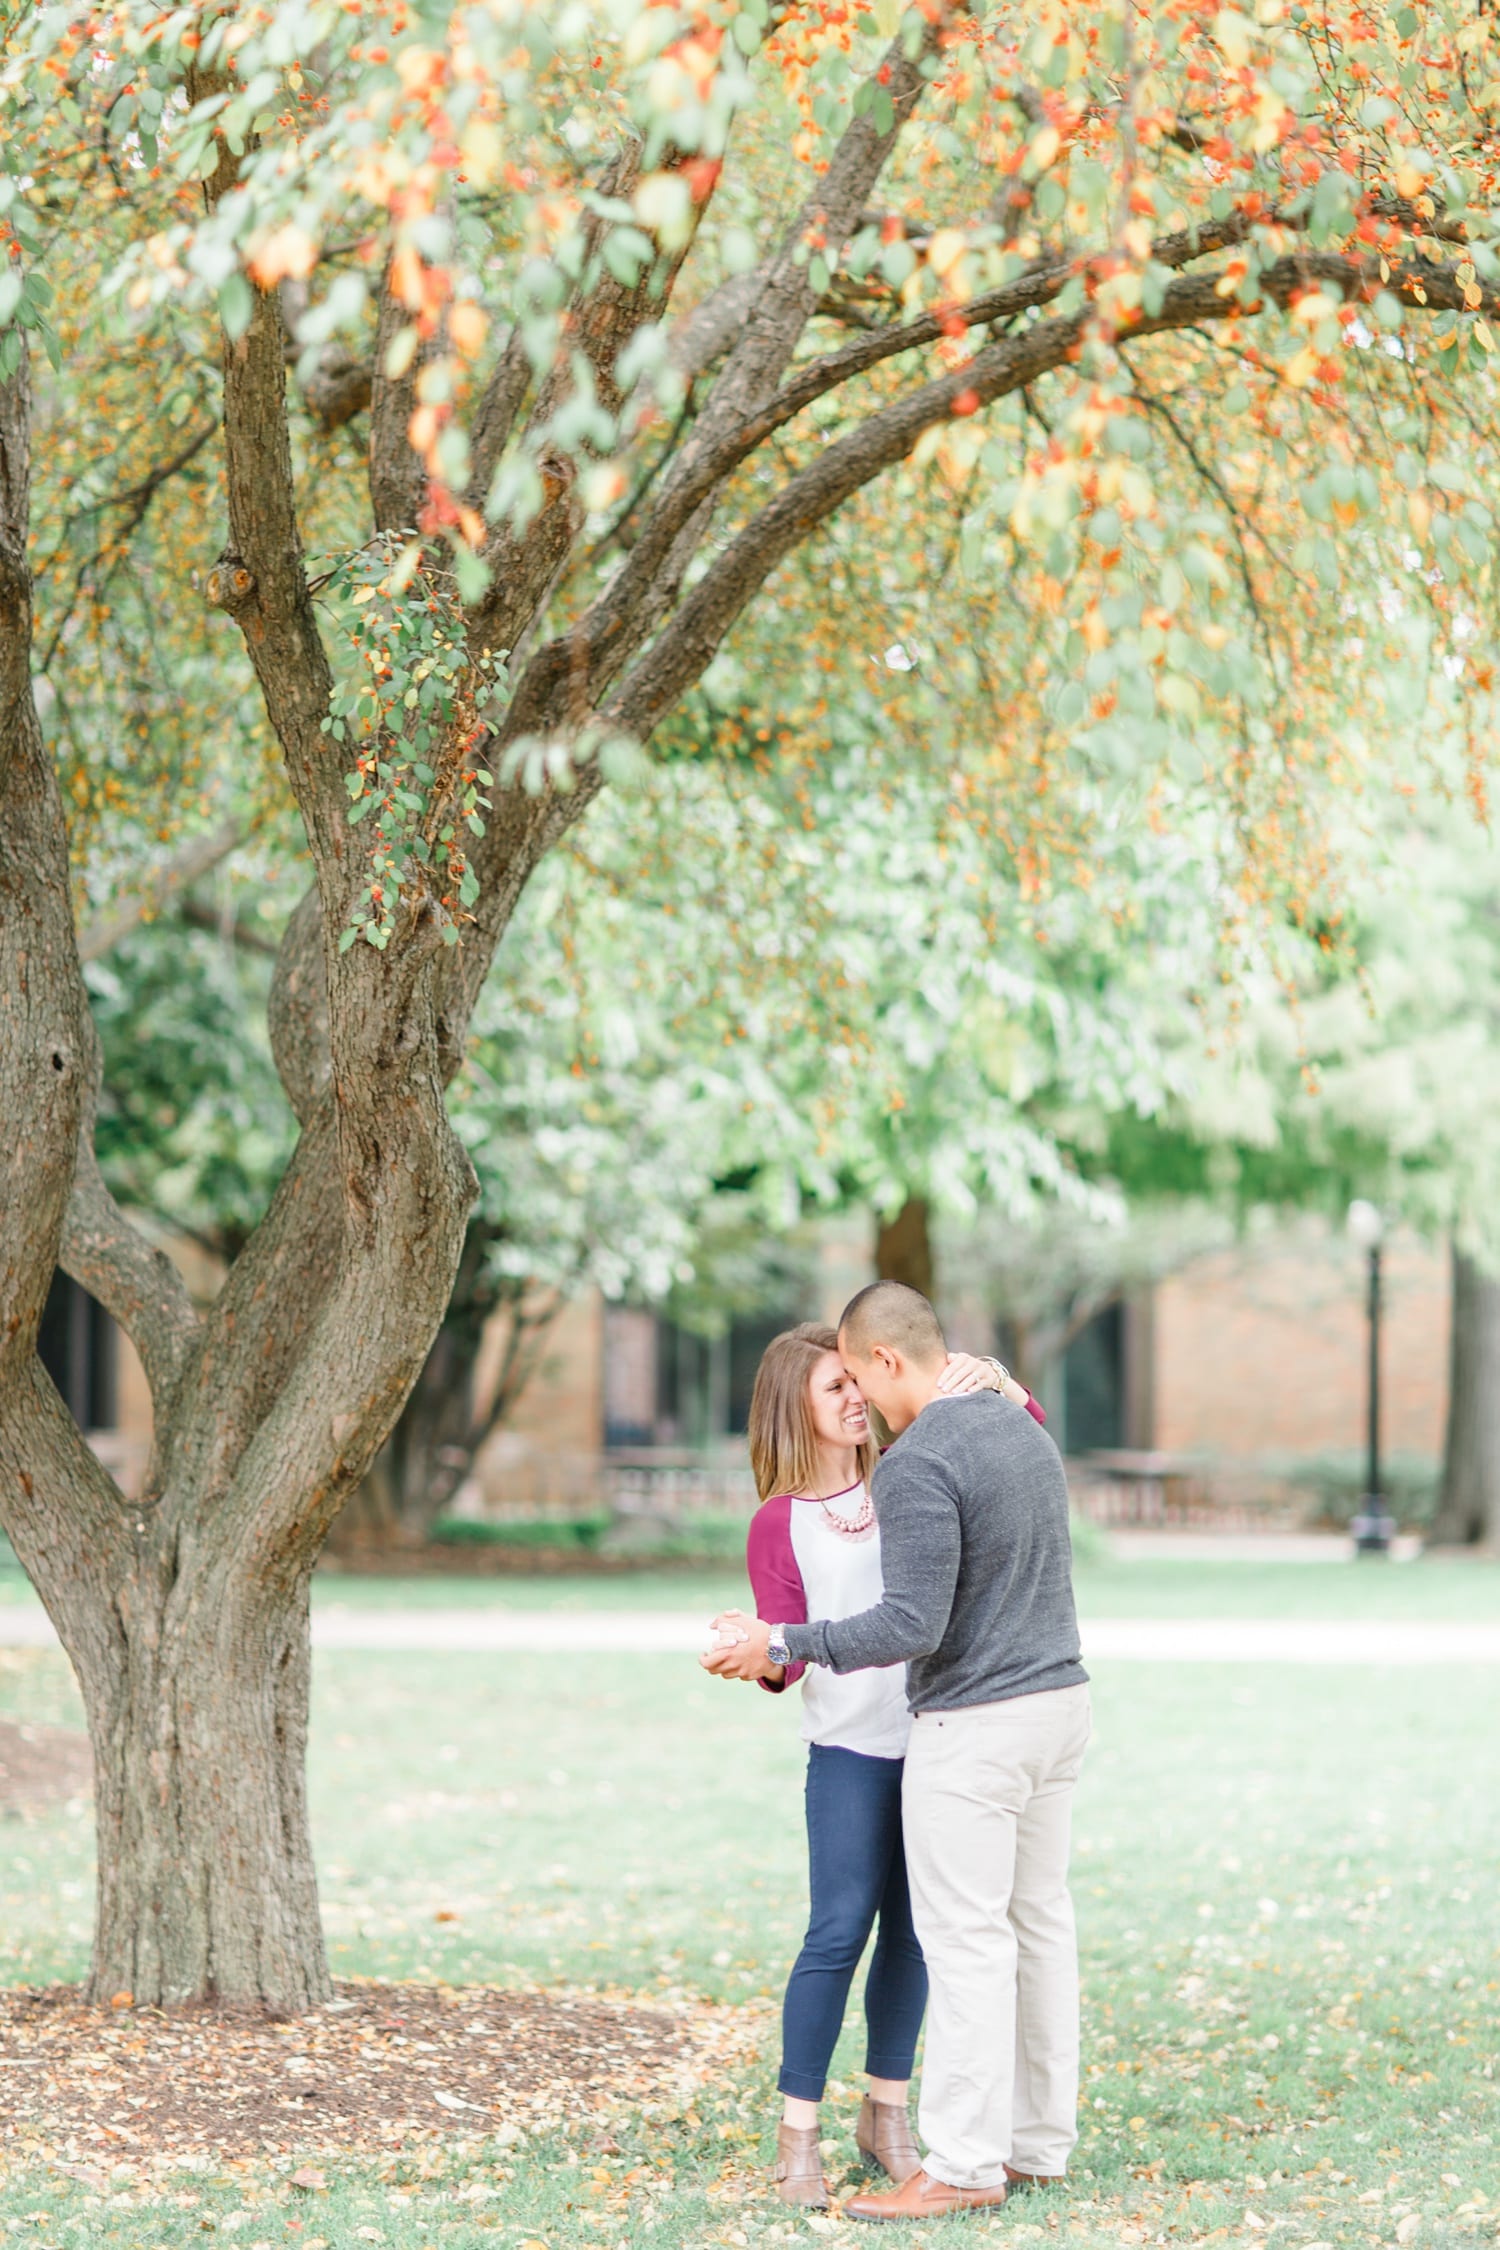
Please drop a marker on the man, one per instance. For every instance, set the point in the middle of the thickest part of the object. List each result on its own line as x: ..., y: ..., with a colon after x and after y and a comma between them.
x: 977, y: 1568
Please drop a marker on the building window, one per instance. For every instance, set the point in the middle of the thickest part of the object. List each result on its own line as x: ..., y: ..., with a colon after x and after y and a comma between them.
x: 1094, y: 1385
x: 665, y: 1386
x: 76, y: 1345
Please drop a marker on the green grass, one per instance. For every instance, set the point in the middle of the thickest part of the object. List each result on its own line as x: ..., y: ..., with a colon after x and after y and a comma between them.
x: 1435, y: 1588
x: 1285, y: 1882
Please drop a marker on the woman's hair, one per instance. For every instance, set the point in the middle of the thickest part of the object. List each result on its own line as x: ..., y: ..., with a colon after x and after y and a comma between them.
x: 783, y: 1443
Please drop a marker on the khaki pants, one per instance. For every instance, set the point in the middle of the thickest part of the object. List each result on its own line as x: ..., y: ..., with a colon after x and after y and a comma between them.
x: 987, y: 1804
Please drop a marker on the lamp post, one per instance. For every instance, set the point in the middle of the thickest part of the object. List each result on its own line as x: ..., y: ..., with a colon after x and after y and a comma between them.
x: 1373, y: 1527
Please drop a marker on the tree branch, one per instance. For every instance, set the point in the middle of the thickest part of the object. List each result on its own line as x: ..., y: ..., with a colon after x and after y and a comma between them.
x: 689, y: 642
x: 732, y: 424
x: 187, y: 865
x: 504, y: 395
x: 59, y: 1507
x: 523, y: 568
x: 398, y: 480
x: 137, y: 1284
x: 260, y: 579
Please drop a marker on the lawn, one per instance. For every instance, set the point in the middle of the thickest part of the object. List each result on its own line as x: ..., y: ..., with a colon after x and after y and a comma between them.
x: 1286, y: 1888
x: 1437, y: 1587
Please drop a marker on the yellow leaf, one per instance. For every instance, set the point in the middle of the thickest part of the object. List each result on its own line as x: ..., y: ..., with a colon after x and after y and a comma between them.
x: 1301, y: 368
x: 1408, y: 180
x: 1419, y: 513
x: 1232, y: 30
x: 481, y: 149
x: 945, y: 249
x: 1485, y: 334
x: 1045, y: 147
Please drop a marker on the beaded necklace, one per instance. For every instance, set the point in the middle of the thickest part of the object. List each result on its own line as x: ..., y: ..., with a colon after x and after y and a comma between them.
x: 850, y: 1527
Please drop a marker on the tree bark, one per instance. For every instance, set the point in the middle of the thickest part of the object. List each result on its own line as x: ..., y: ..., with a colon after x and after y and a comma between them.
x: 418, y: 1471
x: 903, y: 1246
x: 207, y: 1888
x: 1468, y: 1511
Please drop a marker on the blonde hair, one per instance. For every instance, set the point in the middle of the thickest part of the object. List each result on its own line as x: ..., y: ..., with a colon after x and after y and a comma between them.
x: 783, y: 1443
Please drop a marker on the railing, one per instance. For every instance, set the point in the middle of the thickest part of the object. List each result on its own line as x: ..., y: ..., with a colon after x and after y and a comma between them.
x: 670, y: 1489
x: 1145, y: 1489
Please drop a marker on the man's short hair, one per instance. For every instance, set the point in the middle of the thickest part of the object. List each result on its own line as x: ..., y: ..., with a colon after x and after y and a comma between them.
x: 892, y: 1313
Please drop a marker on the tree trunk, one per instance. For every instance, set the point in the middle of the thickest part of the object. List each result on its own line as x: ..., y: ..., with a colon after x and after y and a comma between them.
x: 199, y: 1729
x: 185, y: 1611
x: 1468, y: 1511
x: 903, y: 1246
x: 431, y: 1450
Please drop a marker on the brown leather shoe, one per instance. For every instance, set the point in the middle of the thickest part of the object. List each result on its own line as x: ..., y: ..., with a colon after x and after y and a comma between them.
x: 924, y: 2198
x: 799, y: 2168
x: 884, y: 2135
x: 1024, y: 2182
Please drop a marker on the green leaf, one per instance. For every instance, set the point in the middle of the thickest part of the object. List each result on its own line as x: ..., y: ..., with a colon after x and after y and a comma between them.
x: 471, y: 572
x: 347, y: 937
x: 236, y: 306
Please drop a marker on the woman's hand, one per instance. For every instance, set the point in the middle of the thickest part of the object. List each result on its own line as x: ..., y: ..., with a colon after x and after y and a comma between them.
x: 741, y: 1654
x: 966, y: 1373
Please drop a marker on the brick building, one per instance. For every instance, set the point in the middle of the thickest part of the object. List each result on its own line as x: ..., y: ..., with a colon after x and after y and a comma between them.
x: 1246, y: 1360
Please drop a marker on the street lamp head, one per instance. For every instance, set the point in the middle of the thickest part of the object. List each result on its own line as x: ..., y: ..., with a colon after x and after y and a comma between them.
x: 1365, y: 1224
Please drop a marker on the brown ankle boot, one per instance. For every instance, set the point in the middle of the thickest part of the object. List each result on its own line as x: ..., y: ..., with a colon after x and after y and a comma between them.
x: 799, y: 2167
x: 884, y: 2135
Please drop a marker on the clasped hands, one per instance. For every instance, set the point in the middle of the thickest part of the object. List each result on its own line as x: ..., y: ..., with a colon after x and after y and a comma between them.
x: 741, y: 1650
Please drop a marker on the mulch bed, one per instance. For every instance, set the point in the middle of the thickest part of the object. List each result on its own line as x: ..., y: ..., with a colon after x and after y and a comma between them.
x: 41, y: 1765
x: 379, y: 2066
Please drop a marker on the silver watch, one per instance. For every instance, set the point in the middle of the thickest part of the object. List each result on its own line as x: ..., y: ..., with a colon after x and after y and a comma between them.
x: 1000, y: 1369
x: 776, y: 1648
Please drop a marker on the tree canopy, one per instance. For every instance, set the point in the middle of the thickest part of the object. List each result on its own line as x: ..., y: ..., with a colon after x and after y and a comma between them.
x: 418, y: 404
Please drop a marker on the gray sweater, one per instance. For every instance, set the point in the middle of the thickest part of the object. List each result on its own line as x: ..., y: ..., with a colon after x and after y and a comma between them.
x: 976, y: 1561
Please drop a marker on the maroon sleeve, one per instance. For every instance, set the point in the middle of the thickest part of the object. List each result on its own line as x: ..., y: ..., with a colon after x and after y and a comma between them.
x: 775, y: 1580
x: 1035, y: 1411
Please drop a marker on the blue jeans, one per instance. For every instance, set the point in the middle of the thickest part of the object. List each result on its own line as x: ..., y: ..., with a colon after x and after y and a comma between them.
x: 857, y: 1872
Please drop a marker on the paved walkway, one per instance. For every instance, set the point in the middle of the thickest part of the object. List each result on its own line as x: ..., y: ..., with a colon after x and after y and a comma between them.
x: 1233, y: 1640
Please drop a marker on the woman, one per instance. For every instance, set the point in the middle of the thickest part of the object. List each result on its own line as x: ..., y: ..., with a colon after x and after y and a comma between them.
x: 814, y: 1552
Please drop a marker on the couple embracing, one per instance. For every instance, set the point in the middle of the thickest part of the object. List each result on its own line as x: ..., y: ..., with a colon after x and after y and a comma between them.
x: 925, y: 1601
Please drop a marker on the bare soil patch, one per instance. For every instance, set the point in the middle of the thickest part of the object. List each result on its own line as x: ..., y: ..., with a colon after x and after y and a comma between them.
x: 381, y: 2065
x: 41, y: 1766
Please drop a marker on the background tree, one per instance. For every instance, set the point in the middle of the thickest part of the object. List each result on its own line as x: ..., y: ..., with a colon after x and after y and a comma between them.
x: 571, y: 499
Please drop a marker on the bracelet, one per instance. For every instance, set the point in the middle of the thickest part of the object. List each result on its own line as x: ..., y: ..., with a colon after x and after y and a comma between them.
x: 1001, y: 1370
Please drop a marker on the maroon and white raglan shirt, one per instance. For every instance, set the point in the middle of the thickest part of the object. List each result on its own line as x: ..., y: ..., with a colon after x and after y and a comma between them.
x: 803, y: 1566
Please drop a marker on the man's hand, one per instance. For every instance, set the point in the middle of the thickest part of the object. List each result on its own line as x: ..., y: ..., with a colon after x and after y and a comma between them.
x: 743, y: 1655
